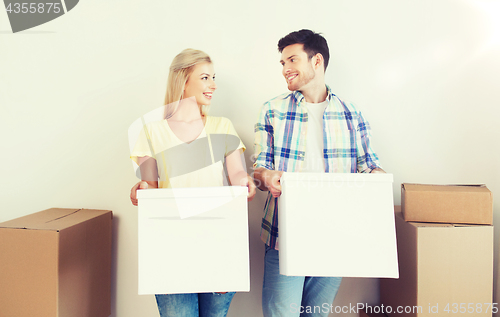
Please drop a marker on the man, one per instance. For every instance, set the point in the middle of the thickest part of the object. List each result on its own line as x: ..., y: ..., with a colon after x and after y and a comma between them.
x: 306, y: 130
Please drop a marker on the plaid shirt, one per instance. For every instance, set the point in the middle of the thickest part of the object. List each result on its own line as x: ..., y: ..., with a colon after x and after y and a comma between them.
x: 280, y: 144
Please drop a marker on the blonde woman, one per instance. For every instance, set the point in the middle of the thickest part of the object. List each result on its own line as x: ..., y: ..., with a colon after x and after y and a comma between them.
x: 181, y: 142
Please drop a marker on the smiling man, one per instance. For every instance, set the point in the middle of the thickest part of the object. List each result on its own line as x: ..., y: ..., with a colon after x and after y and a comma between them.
x: 308, y: 129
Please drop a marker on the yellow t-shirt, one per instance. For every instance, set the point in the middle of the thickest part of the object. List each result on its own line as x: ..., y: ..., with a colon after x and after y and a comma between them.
x: 195, y: 164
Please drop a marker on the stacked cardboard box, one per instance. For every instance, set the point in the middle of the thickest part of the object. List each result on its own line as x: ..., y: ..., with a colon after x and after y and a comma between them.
x: 470, y: 204
x: 56, y: 263
x: 445, y: 252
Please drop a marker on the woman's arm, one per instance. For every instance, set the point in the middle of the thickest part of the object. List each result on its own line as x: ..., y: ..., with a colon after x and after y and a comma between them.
x: 237, y: 174
x: 149, y: 176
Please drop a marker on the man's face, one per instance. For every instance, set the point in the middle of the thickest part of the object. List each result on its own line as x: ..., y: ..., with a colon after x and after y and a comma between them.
x: 297, y: 68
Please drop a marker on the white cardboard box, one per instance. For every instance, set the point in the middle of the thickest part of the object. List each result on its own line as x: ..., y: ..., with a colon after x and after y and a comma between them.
x: 205, y: 251
x: 337, y: 225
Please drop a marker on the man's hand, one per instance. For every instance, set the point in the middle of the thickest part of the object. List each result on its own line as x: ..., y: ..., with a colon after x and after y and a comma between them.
x: 133, y: 191
x: 269, y: 180
x: 377, y: 170
x: 273, y: 182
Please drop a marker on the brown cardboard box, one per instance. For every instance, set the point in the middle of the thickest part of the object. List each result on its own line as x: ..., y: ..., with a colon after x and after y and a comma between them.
x: 56, y: 263
x: 447, y: 203
x: 440, y: 265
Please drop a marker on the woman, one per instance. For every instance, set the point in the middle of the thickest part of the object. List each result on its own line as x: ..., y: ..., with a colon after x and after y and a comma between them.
x: 187, y: 149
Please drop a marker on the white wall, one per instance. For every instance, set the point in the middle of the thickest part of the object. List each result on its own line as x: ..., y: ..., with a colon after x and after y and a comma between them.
x: 423, y: 72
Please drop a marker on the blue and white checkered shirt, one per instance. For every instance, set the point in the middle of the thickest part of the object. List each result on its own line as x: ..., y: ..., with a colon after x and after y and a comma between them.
x: 280, y: 144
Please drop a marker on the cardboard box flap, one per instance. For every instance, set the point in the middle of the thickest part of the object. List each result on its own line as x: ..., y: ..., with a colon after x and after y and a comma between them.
x: 474, y: 188
x: 34, y: 220
x: 69, y: 220
x: 469, y: 225
x: 54, y: 219
x: 397, y: 210
x: 431, y: 225
x: 339, y: 178
x: 192, y: 192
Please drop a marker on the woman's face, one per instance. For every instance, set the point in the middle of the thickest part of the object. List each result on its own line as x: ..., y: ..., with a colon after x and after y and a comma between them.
x: 201, y: 84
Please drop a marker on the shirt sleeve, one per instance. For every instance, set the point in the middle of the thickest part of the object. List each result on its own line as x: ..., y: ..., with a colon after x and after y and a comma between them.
x: 233, y: 141
x: 143, y: 145
x: 367, y: 160
x: 264, y: 139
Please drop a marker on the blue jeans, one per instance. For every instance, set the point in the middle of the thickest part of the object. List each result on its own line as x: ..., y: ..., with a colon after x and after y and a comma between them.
x: 293, y: 296
x: 194, y: 305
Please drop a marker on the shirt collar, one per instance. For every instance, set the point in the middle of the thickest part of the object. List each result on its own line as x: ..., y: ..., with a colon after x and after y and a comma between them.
x: 299, y: 96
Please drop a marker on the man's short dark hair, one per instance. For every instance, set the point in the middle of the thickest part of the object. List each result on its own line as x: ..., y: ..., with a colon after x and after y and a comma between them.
x: 313, y: 42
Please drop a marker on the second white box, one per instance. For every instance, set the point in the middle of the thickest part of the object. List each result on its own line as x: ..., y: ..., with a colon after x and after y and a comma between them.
x: 337, y: 225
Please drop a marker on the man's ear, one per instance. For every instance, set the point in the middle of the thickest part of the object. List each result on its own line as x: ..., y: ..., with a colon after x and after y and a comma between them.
x: 318, y: 61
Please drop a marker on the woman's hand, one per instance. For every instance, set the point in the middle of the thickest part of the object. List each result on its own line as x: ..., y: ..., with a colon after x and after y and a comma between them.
x: 133, y: 191
x: 149, y: 176
x: 237, y: 174
x: 248, y: 182
x: 140, y: 185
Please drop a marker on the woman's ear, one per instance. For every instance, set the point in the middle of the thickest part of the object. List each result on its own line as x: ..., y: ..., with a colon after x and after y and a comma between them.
x: 184, y: 86
x: 183, y: 91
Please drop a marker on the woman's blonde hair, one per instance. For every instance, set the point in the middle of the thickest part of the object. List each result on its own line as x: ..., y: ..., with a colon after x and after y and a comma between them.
x: 181, y: 68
